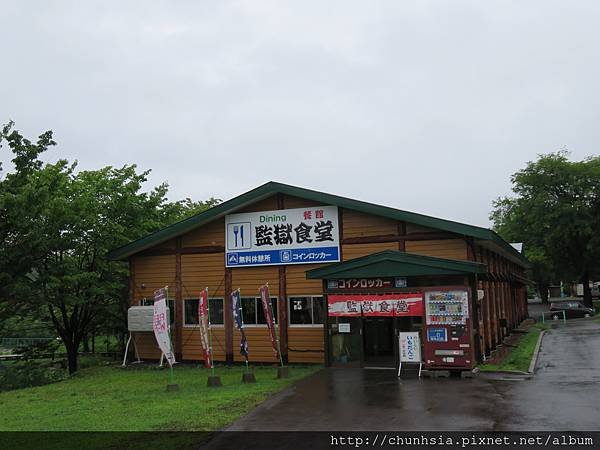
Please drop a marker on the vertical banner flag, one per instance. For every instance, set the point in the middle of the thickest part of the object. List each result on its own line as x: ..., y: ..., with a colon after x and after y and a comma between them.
x: 236, y: 305
x: 268, y: 312
x: 160, y: 325
x: 204, y: 322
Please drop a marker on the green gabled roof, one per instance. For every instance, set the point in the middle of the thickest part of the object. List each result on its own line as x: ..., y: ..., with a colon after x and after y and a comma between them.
x: 272, y: 188
x: 394, y: 263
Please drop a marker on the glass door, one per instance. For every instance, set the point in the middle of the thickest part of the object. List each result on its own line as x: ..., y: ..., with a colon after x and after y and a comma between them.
x: 345, y: 334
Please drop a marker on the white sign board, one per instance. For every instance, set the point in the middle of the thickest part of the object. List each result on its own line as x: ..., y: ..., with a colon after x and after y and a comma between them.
x: 410, y: 347
x: 287, y: 236
x: 344, y: 328
x: 140, y: 318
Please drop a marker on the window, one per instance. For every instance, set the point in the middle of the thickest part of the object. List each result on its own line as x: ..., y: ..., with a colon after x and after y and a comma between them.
x: 306, y: 310
x: 260, y: 313
x: 216, y: 311
x: 170, y: 304
x: 252, y: 310
x: 190, y: 311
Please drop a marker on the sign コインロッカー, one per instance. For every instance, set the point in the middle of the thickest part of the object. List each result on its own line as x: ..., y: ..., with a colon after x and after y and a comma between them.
x: 361, y: 283
x: 287, y: 236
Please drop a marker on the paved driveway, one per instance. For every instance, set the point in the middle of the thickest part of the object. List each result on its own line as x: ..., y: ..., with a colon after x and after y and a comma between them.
x: 563, y: 395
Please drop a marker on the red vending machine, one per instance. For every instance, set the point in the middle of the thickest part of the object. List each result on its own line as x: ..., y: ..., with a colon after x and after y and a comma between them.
x: 448, y: 337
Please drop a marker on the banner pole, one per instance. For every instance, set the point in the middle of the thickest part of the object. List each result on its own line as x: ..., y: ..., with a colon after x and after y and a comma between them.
x: 242, y: 332
x: 171, y: 376
x: 212, y: 363
x: 277, y: 330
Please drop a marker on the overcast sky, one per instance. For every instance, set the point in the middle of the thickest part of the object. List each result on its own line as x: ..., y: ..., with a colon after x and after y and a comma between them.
x: 424, y: 106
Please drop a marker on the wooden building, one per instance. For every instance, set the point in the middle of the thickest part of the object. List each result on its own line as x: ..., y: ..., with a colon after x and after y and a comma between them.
x: 381, y: 251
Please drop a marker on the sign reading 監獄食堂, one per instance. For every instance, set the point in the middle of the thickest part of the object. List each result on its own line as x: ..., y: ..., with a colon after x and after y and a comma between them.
x: 287, y: 236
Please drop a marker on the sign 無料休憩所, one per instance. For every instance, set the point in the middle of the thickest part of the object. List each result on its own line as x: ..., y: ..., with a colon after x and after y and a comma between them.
x: 287, y: 236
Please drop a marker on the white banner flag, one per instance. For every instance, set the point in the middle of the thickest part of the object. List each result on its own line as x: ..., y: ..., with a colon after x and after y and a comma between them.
x: 160, y: 324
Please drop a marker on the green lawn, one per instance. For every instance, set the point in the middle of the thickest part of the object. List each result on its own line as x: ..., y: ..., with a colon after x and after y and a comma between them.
x: 115, y: 399
x: 520, y: 357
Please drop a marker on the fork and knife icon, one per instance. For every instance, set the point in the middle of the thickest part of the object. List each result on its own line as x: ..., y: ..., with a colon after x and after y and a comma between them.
x: 238, y: 229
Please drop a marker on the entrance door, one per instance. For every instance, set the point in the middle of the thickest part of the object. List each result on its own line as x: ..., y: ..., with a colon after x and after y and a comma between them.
x: 345, y: 345
x: 378, y: 333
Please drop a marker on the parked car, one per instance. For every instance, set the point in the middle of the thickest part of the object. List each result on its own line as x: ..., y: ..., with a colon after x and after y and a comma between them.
x: 572, y: 310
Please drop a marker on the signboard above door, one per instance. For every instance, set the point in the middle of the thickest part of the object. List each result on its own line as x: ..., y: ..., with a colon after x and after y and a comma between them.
x: 390, y: 305
x: 287, y: 236
x: 367, y: 283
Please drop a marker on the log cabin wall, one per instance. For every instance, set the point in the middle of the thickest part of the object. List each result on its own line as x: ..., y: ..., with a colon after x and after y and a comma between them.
x: 149, y: 274
x: 196, y: 260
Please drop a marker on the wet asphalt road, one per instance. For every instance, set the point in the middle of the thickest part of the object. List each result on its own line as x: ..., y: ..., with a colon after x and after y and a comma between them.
x: 564, y: 394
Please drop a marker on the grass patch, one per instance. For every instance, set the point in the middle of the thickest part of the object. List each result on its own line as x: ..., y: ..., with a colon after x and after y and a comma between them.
x: 520, y: 357
x: 135, y: 399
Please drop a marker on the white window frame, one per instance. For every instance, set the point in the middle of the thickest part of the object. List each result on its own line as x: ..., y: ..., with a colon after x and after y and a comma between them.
x: 212, y: 325
x: 304, y: 325
x: 258, y: 299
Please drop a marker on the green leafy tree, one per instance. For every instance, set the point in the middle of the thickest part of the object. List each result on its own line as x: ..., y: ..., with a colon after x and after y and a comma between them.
x: 57, y: 226
x: 555, y: 212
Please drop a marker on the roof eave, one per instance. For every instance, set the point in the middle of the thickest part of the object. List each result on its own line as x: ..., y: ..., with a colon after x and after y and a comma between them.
x: 272, y: 188
x: 189, y: 224
x: 445, y: 266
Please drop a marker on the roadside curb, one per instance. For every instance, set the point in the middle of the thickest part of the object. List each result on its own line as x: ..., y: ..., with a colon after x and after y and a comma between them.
x: 530, y: 371
x: 504, y: 372
x: 536, y: 352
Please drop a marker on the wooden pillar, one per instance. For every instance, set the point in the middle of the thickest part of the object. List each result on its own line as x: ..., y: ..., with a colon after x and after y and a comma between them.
x: 506, y: 304
x: 341, y: 227
x: 512, y: 298
x: 282, y: 310
x: 178, y: 345
x: 497, y: 306
x: 483, y: 329
x: 488, y: 316
x: 502, y: 308
x: 326, y: 326
x: 475, y: 318
x: 402, y: 232
x: 228, y: 318
x: 470, y: 244
x: 494, y: 312
x: 131, y: 281
x: 478, y: 305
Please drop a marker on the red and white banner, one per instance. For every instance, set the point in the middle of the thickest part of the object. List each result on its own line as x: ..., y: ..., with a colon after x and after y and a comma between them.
x: 268, y: 312
x: 160, y: 325
x: 204, y: 321
x: 387, y: 305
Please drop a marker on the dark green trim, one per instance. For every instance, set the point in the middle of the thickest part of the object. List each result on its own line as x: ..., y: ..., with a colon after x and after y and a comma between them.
x: 392, y: 263
x: 272, y: 188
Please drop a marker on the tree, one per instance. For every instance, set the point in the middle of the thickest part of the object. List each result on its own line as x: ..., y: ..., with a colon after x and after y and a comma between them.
x: 57, y: 226
x: 555, y: 212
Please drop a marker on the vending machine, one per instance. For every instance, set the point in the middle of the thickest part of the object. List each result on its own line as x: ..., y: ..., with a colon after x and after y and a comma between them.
x: 448, y: 342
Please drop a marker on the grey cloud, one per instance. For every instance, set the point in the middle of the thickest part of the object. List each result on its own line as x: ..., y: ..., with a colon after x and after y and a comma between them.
x: 425, y: 106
